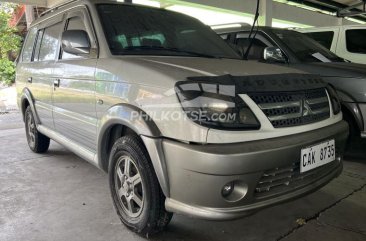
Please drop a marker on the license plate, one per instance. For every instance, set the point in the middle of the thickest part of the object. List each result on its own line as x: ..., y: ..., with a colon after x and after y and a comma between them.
x: 316, y: 156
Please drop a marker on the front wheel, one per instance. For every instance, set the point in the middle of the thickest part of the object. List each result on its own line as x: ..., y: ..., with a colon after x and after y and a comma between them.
x: 37, y: 142
x: 135, y: 189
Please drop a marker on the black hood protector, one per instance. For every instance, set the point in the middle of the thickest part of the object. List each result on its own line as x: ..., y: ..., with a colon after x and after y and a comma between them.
x: 261, y: 83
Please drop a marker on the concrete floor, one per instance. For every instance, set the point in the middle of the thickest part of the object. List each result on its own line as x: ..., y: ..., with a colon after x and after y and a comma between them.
x: 58, y: 196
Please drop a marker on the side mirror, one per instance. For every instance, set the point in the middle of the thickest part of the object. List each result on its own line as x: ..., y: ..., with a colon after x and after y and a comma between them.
x: 274, y: 54
x: 75, y: 42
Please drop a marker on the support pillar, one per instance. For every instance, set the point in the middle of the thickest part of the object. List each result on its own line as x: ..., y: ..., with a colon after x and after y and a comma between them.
x: 29, y: 14
x: 266, y: 13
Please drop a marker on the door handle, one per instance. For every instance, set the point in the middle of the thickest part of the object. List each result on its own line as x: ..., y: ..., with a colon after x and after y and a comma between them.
x: 56, y: 83
x: 29, y: 79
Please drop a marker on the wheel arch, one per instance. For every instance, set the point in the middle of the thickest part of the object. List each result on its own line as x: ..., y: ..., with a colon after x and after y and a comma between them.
x: 350, y: 108
x: 26, y: 100
x: 353, y: 111
x: 124, y: 119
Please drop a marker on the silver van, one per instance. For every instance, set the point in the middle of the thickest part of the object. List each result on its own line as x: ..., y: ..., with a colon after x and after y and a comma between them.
x: 177, y: 119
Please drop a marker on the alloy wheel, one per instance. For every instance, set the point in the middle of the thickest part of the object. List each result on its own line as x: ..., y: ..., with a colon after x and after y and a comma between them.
x: 31, y: 130
x: 129, y: 187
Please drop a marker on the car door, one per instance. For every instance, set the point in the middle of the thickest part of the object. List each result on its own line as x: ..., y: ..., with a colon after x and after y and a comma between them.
x: 41, y: 68
x: 74, y: 87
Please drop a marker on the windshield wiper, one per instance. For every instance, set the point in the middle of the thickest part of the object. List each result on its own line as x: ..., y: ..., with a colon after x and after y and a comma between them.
x: 192, y: 53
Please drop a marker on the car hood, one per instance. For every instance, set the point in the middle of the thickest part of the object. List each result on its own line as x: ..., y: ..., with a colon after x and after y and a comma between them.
x: 346, y: 70
x: 166, y: 69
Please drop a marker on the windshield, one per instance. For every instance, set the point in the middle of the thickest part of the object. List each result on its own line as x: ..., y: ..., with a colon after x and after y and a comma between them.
x: 136, y: 30
x: 305, y: 48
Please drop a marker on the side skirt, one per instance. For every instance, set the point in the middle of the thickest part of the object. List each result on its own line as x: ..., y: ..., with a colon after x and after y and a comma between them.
x: 70, y: 144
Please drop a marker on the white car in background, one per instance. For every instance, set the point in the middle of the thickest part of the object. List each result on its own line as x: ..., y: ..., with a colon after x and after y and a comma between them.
x: 348, y: 42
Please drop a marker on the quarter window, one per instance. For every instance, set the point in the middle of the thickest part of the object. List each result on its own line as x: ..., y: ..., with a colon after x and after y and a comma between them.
x: 50, y: 42
x: 324, y: 38
x: 28, y: 46
x: 356, y: 41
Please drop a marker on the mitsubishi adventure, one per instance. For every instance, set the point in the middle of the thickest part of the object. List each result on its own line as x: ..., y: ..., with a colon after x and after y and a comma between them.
x: 171, y: 112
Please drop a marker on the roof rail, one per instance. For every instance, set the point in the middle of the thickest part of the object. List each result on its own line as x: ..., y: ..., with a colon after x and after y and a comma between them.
x: 51, y: 10
x: 230, y: 25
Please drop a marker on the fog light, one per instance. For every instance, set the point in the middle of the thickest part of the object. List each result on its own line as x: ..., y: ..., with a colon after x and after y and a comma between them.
x: 227, y: 189
x: 234, y: 191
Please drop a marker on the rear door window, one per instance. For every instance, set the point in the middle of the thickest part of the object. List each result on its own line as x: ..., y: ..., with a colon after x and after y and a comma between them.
x: 356, y: 41
x: 324, y: 38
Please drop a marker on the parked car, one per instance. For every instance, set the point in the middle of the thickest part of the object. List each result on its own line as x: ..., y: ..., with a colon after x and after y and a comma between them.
x: 171, y: 112
x: 290, y: 48
x: 348, y: 42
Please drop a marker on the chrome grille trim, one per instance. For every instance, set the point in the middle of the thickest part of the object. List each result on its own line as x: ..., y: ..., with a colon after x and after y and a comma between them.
x: 284, y: 117
x: 280, y: 105
x: 317, y: 100
x: 295, y: 108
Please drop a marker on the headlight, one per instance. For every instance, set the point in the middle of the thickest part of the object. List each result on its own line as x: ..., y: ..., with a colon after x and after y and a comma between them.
x: 334, y: 99
x: 215, y: 106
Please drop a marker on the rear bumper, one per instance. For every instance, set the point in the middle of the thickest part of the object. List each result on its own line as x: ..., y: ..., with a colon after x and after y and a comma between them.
x: 197, y: 173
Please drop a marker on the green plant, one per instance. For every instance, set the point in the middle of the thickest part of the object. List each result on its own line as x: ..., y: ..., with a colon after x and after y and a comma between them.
x: 9, y: 44
x: 7, y: 71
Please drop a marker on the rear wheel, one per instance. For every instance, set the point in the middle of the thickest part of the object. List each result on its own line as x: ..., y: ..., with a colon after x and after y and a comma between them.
x: 37, y: 142
x: 135, y: 189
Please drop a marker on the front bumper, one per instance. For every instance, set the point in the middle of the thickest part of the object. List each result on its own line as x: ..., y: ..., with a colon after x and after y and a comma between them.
x: 197, y: 173
x: 363, y: 114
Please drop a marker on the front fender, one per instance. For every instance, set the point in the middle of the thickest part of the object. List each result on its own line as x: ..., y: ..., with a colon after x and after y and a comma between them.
x: 130, y: 116
x: 138, y: 121
x: 351, y: 105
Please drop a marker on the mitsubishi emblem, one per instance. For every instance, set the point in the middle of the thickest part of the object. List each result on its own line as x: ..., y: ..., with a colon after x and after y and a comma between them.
x: 306, y: 108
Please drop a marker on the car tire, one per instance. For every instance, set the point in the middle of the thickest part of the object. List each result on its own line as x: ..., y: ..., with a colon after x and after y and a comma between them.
x: 135, y: 190
x: 353, y: 128
x: 37, y: 142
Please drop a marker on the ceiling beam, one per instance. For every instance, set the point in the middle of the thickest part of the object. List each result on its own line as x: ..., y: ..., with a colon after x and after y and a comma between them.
x: 329, y: 6
x: 350, y: 11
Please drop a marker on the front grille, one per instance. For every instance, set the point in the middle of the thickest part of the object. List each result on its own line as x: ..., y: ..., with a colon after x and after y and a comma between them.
x: 284, y: 179
x: 286, y: 109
